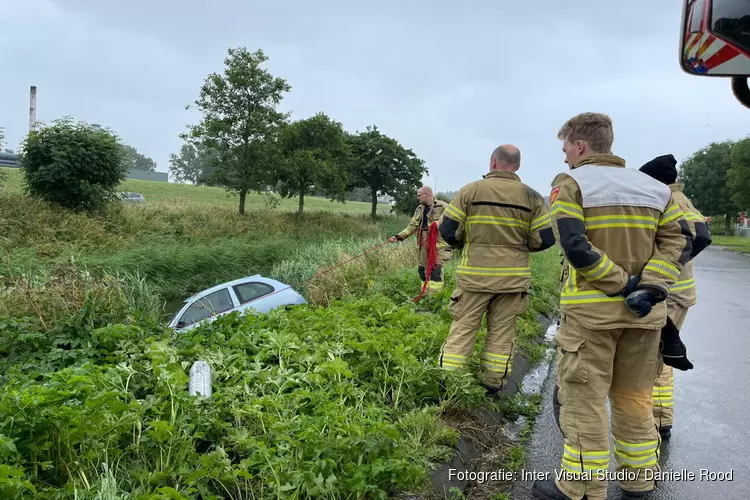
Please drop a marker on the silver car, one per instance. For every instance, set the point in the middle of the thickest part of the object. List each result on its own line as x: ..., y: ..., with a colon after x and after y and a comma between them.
x: 256, y: 293
x: 128, y: 197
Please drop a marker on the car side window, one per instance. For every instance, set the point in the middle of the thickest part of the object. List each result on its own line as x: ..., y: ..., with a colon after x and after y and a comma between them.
x: 251, y: 291
x: 214, y: 303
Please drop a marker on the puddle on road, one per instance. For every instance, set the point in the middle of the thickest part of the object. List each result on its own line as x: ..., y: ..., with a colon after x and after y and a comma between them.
x: 532, y: 384
x: 533, y: 381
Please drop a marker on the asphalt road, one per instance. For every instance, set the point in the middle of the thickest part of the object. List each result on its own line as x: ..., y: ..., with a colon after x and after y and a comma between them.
x: 712, y: 402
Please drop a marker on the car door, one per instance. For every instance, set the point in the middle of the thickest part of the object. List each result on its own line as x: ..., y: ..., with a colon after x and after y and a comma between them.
x: 205, y: 308
x: 255, y: 295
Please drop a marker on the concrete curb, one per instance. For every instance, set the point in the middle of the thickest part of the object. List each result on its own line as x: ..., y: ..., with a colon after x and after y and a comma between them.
x: 467, y: 452
x: 729, y: 249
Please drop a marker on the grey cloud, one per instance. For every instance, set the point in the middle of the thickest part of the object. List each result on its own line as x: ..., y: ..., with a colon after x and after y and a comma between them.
x: 449, y: 82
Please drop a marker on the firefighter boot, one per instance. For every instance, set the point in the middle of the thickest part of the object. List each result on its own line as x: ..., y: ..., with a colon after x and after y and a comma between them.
x: 665, y: 432
x: 548, y: 490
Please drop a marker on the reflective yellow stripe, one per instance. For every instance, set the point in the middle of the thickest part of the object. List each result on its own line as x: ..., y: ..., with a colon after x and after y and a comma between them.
x: 663, y: 395
x: 587, y: 297
x: 575, y: 460
x: 497, y: 363
x: 673, y: 213
x: 693, y: 217
x: 540, y: 221
x: 663, y: 267
x: 636, y: 455
x: 600, y: 271
x: 453, y: 361
x: 501, y: 221
x: 616, y: 221
x: 568, y: 208
x: 455, y: 212
x: 494, y: 271
x: 682, y: 285
x: 573, y: 279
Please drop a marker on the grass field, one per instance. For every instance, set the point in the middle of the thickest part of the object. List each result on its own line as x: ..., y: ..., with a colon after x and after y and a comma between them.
x: 213, y: 196
x: 735, y: 243
x: 341, y: 398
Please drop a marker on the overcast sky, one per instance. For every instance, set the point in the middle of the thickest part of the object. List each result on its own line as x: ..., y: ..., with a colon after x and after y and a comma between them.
x: 451, y: 82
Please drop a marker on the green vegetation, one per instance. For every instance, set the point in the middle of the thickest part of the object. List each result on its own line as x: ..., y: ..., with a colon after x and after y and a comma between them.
x: 341, y: 398
x: 717, y: 180
x: 181, y: 195
x: 245, y: 144
x: 735, y: 243
x: 73, y: 165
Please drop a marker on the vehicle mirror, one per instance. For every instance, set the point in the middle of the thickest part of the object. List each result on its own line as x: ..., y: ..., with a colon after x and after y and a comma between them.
x: 716, y: 38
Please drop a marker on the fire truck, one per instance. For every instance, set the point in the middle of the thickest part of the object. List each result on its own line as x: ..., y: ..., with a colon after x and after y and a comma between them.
x: 716, y: 41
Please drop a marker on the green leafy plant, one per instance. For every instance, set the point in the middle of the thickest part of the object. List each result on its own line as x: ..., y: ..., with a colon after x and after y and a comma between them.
x: 73, y: 165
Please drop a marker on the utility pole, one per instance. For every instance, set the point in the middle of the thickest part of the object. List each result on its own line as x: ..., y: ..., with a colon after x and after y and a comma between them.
x: 32, y: 107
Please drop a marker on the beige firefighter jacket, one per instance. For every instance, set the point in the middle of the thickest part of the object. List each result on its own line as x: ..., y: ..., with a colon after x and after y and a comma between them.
x: 496, y: 222
x: 683, y: 291
x: 418, y: 225
x: 613, y: 223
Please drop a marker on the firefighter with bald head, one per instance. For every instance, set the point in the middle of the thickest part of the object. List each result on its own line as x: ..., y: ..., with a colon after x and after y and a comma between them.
x: 625, y: 242
x: 682, y: 295
x: 429, y: 211
x: 496, y: 222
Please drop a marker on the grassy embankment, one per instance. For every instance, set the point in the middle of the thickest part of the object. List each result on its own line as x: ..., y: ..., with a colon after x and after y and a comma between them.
x: 735, y: 243
x: 342, y: 401
x: 209, y: 196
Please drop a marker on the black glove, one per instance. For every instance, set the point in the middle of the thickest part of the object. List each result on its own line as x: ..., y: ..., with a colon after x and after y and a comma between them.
x: 673, y: 350
x: 640, y: 302
x: 629, y: 287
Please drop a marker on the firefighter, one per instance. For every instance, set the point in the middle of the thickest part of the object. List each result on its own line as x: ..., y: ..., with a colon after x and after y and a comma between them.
x: 430, y: 210
x: 682, y: 295
x: 496, y: 222
x: 625, y: 242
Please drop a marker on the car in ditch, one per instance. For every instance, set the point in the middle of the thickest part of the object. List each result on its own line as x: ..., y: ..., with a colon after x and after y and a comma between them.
x: 251, y: 293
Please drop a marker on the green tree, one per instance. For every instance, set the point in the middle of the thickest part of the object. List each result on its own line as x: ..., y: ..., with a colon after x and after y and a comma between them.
x: 194, y: 164
x: 72, y: 165
x: 383, y: 165
x: 405, y: 200
x: 133, y: 160
x: 738, y: 177
x: 446, y: 197
x: 314, y: 159
x: 705, y: 177
x: 240, y: 122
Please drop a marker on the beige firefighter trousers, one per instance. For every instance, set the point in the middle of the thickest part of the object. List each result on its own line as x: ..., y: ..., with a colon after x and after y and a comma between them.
x: 663, y: 393
x: 467, y: 310
x: 591, y: 366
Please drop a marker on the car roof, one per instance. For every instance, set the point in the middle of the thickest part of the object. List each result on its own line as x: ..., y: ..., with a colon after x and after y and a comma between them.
x: 254, y: 277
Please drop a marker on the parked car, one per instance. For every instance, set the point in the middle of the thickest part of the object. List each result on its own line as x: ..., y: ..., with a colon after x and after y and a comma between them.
x: 249, y: 293
x: 128, y: 197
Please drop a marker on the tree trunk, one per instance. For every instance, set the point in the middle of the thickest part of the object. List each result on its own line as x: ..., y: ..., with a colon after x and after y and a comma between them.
x: 243, y: 196
x: 374, y: 203
x: 301, y: 203
x: 729, y: 220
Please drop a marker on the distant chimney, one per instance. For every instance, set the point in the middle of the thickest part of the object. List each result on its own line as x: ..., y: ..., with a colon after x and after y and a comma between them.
x: 32, y: 107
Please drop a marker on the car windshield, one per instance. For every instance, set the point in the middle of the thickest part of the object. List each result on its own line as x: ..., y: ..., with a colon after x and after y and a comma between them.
x: 203, y: 308
x: 730, y: 19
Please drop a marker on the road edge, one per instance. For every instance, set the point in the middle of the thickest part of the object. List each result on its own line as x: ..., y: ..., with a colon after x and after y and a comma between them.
x: 467, y: 452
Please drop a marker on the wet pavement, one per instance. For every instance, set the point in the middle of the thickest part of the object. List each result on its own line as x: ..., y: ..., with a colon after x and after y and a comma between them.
x: 712, y: 402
